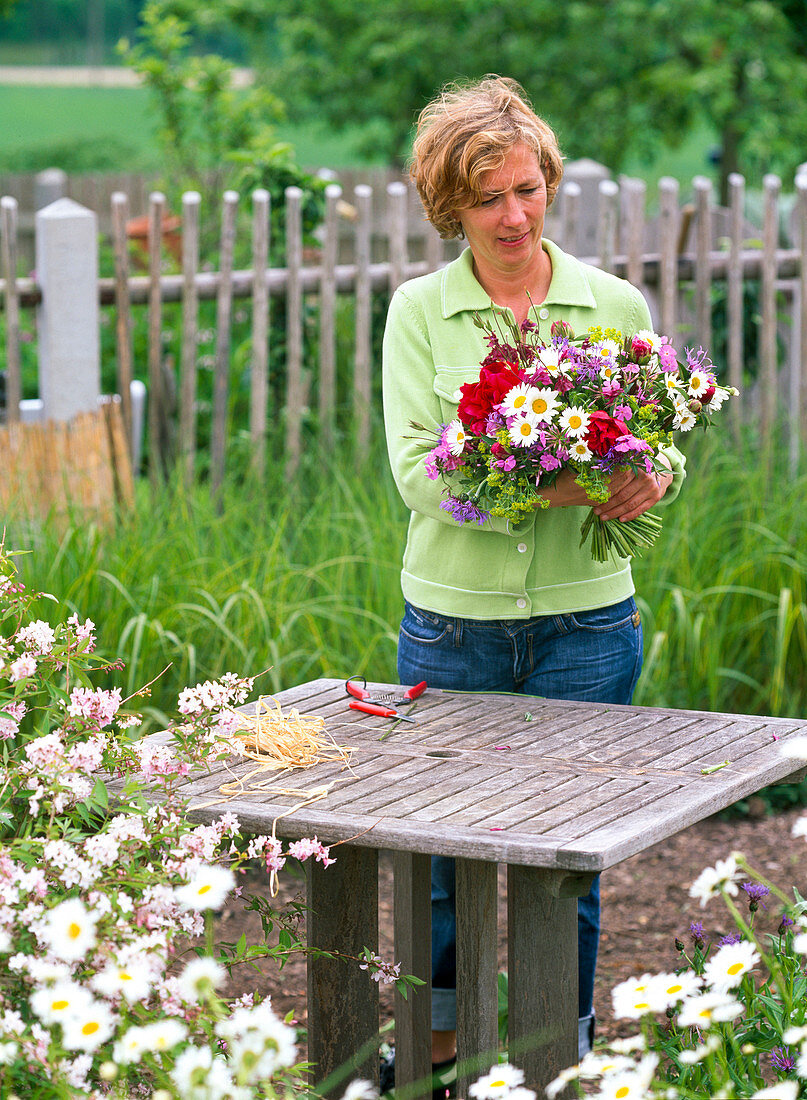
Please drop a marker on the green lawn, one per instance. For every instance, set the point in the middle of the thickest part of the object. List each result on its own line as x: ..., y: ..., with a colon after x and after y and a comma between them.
x: 113, y: 129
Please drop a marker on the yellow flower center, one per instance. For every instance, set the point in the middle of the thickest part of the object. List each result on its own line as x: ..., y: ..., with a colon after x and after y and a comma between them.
x: 624, y: 1091
x: 674, y: 988
x: 519, y: 401
x: 575, y: 421
x: 124, y: 977
x: 59, y: 1006
x: 204, y: 889
x: 735, y: 968
x: 90, y: 1027
x: 497, y: 1084
x: 642, y: 1005
x: 73, y: 930
x: 526, y: 429
x: 539, y: 405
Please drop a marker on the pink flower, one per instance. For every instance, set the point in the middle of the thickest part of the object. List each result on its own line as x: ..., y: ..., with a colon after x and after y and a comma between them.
x: 624, y: 412
x: 21, y: 668
x: 37, y: 638
x: 96, y: 706
x: 303, y: 849
x: 667, y: 357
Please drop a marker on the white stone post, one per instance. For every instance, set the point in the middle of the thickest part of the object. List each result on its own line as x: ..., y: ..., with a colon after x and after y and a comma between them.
x: 67, y: 319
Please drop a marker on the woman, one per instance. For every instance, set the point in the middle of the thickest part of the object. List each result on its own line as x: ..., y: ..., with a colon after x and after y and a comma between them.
x: 503, y: 607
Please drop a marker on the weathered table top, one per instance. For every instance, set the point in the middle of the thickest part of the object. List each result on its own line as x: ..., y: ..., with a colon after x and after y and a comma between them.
x: 514, y: 779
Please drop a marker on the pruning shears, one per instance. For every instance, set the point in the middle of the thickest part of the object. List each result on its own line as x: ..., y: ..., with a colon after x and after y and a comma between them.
x: 384, y: 705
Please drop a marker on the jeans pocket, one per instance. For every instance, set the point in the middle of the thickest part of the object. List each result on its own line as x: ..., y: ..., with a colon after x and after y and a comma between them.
x: 616, y: 617
x: 424, y: 627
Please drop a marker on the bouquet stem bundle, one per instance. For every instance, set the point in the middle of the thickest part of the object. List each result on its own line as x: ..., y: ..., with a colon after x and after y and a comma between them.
x: 629, y: 539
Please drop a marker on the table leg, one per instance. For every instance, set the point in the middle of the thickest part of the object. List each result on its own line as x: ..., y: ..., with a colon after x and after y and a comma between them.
x: 412, y: 915
x: 542, y: 970
x: 477, y: 998
x: 342, y: 916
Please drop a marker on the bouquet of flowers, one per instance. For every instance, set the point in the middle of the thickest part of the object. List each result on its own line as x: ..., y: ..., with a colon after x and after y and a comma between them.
x: 594, y: 404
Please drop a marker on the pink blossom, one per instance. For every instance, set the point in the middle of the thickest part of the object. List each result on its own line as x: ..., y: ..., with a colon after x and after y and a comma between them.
x: 302, y: 849
x: 96, y: 706
x: 37, y: 638
x: 158, y: 760
x: 624, y: 412
x: 667, y: 356
x: 83, y: 631
x: 87, y: 756
x: 507, y: 463
x: 611, y: 388
x: 45, y: 753
x: 22, y: 667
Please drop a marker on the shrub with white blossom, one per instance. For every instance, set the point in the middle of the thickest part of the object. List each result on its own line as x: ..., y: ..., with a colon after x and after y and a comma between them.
x: 102, y: 889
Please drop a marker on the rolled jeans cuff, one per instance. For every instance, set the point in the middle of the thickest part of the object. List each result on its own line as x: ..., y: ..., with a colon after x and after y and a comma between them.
x: 444, y: 1009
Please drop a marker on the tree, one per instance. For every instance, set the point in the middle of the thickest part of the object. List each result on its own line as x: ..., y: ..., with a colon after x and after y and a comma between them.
x: 613, y: 80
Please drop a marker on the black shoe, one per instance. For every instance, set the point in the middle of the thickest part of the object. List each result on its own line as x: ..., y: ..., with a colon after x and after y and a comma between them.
x: 444, y: 1081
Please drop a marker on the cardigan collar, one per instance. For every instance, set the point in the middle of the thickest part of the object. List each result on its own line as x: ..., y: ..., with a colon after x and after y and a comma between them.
x: 462, y: 292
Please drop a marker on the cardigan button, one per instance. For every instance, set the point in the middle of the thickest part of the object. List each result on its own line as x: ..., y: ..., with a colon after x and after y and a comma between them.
x: 521, y: 603
x: 543, y: 314
x: 522, y: 548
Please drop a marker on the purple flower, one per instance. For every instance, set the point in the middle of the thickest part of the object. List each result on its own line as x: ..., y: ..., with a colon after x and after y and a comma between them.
x: 785, y: 924
x: 783, y: 1060
x: 624, y: 412
x: 732, y: 937
x: 756, y: 892
x: 627, y: 443
x: 549, y: 462
x: 696, y: 933
x: 463, y: 511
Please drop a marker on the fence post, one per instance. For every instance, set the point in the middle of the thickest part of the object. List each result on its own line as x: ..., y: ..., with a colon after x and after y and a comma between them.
x: 668, y: 273
x: 588, y: 175
x: 67, y: 319
x: 702, y: 187
x: 734, y: 299
x: 801, y: 207
x: 768, y: 358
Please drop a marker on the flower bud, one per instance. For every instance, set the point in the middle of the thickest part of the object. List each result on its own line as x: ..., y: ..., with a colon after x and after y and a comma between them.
x: 561, y: 330
x: 694, y: 406
x: 108, y: 1071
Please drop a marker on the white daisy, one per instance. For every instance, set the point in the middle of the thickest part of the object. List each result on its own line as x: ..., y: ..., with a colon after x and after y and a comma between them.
x: 455, y: 437
x: 794, y: 747
x: 629, y: 1084
x: 197, y: 1067
x: 723, y: 876
x: 575, y: 420
x: 607, y: 349
x: 549, y: 358
x: 637, y: 997
x: 677, y: 987
x: 516, y: 401
x: 523, y: 431
x: 199, y: 978
x: 500, y: 1082
x: 208, y: 889
x: 684, y: 421
x: 698, y: 1053
x: 706, y: 1008
x: 54, y: 1003
x: 360, y: 1090
x: 131, y: 982
x: 89, y: 1027
x: 725, y: 969
x: 69, y: 930
x: 8, y: 1053
x: 277, y: 1040
x: 699, y: 382
x: 782, y: 1090
x: 163, y: 1034
x: 580, y: 451
x: 672, y: 382
x: 652, y: 339
x: 543, y: 404
x: 129, y: 1047
x: 800, y: 943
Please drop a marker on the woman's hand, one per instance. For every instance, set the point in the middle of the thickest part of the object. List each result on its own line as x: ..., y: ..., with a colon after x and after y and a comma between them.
x: 632, y: 494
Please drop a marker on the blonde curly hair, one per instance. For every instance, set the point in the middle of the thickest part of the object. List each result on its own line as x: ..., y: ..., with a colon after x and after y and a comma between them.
x: 466, y: 131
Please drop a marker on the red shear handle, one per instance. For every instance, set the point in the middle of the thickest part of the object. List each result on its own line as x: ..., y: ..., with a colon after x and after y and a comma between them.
x: 418, y: 689
x: 353, y: 688
x: 374, y: 708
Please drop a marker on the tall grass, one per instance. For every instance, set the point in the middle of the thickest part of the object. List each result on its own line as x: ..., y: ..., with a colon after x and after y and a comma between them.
x: 301, y: 579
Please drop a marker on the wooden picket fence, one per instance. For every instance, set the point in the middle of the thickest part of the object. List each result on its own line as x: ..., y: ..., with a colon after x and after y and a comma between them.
x: 675, y: 257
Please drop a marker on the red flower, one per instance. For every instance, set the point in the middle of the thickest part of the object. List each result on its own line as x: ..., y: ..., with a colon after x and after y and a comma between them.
x: 604, y: 431
x: 640, y: 348
x: 479, y: 398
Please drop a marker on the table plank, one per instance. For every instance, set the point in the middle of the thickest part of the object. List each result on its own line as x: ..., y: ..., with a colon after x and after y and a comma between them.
x: 477, y: 1006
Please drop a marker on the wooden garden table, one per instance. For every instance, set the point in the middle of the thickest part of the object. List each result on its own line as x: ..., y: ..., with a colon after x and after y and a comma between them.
x: 555, y: 790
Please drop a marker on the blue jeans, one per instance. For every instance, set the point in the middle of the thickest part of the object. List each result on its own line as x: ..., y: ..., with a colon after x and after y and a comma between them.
x: 583, y: 655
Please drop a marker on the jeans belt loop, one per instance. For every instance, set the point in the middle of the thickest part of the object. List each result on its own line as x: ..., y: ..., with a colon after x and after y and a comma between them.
x: 457, y: 627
